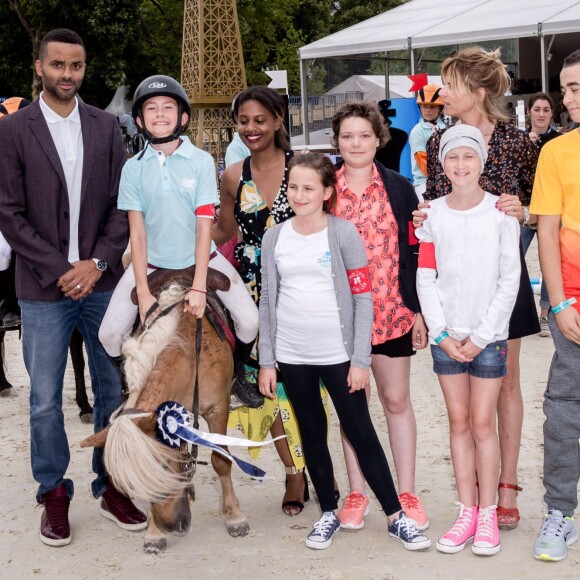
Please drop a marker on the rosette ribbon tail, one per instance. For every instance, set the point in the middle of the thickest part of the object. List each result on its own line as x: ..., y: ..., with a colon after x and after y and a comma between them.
x: 173, y: 427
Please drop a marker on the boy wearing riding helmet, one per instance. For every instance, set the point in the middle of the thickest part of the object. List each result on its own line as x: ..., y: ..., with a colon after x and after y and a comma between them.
x: 431, y: 108
x: 169, y: 191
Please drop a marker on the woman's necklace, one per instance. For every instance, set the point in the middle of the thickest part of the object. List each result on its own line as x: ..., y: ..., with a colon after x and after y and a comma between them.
x: 488, y: 129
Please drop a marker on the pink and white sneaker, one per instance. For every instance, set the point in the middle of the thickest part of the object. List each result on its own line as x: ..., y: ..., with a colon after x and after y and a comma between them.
x: 353, y: 512
x: 413, y: 508
x: 462, y: 531
x: 486, y: 541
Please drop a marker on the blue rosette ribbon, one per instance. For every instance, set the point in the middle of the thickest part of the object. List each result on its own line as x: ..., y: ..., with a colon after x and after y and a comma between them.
x: 173, y: 427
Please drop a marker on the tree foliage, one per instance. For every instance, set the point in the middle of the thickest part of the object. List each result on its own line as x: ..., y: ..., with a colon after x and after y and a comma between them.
x: 273, y: 30
x: 107, y: 27
x: 128, y: 40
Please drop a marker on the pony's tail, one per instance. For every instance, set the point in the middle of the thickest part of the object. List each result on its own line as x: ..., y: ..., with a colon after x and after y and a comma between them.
x: 138, y: 465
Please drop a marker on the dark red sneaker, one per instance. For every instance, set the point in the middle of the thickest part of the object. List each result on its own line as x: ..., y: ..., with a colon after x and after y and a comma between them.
x: 54, y: 524
x: 120, y: 509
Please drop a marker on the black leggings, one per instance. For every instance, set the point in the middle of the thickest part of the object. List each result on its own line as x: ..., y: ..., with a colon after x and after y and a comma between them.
x: 302, y: 387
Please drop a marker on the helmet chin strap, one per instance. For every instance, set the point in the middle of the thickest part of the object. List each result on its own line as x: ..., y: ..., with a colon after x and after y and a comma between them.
x: 160, y: 140
x: 168, y: 139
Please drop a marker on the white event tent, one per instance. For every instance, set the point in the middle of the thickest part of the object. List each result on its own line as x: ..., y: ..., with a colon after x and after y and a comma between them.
x: 428, y: 23
x: 373, y: 86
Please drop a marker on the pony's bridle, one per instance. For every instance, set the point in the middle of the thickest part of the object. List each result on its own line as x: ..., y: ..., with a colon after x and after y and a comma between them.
x: 190, y: 464
x: 189, y: 460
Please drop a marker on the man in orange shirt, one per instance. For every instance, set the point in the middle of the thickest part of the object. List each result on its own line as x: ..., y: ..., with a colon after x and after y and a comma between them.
x: 556, y: 201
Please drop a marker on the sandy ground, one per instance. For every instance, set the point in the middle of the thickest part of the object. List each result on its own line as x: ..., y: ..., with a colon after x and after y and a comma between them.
x: 274, y: 547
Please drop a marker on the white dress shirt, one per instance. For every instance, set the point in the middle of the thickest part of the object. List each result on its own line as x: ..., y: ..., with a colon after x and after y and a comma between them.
x: 68, y: 139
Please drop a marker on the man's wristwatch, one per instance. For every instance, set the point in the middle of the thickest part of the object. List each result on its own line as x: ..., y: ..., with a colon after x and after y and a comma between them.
x: 101, y: 265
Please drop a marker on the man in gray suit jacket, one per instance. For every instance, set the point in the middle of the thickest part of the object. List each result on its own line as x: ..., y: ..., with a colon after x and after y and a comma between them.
x: 60, y: 166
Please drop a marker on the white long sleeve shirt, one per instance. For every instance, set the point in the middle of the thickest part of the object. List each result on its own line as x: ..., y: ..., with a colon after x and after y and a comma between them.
x: 471, y: 287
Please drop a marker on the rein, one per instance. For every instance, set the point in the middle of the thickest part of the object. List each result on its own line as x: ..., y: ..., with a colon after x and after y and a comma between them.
x: 194, y: 448
x: 164, y: 312
x: 190, y: 465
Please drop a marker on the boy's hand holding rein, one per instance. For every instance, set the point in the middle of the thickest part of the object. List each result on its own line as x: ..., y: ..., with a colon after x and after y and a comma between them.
x: 195, y: 302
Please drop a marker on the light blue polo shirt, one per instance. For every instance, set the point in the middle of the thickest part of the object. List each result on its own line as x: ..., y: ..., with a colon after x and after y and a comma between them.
x: 418, y: 138
x: 168, y: 190
x: 236, y: 150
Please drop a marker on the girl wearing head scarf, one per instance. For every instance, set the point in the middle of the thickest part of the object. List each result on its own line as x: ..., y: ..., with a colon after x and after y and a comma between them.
x: 467, y: 280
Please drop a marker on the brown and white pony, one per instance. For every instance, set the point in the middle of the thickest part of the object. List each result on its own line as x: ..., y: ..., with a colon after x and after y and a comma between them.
x: 160, y: 366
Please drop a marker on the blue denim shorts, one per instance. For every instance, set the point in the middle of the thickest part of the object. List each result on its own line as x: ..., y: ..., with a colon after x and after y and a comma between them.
x: 488, y: 364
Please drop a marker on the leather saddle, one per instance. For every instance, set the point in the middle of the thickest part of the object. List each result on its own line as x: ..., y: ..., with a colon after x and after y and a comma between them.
x: 215, y: 311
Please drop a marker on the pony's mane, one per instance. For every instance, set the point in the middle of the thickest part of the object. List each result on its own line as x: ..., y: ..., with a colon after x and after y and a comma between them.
x: 140, y: 466
x: 141, y: 352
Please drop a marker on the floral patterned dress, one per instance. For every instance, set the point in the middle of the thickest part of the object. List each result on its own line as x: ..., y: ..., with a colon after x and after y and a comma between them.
x: 510, y: 168
x: 254, y: 217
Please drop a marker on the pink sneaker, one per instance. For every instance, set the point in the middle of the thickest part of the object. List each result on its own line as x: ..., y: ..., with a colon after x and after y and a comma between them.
x: 413, y: 508
x: 461, y: 532
x: 353, y: 512
x: 486, y: 541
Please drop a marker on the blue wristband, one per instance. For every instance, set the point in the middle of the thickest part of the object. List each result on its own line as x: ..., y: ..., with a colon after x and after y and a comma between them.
x: 563, y: 305
x: 441, y: 337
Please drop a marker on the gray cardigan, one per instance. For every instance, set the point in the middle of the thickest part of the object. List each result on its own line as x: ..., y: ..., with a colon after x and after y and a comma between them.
x: 355, y: 310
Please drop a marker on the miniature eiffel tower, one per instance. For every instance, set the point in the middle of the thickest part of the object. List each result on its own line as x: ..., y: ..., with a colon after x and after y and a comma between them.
x: 212, y: 70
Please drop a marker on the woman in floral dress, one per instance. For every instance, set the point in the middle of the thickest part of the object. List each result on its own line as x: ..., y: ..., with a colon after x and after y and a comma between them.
x: 253, y: 198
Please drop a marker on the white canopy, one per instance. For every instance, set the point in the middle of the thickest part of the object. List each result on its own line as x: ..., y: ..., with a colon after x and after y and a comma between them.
x: 373, y: 86
x: 425, y: 23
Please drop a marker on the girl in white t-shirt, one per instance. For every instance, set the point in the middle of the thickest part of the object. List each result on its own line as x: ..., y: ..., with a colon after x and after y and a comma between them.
x: 315, y: 324
x: 467, y: 281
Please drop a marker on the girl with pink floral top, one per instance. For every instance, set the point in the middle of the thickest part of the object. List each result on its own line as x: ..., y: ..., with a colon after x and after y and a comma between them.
x: 380, y: 202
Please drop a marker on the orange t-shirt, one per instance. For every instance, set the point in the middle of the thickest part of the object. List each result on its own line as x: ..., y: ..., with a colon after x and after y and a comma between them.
x: 557, y: 192
x: 373, y: 216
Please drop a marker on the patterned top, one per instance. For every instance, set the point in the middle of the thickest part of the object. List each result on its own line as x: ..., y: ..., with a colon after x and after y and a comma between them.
x: 510, y: 166
x: 254, y: 217
x: 373, y: 217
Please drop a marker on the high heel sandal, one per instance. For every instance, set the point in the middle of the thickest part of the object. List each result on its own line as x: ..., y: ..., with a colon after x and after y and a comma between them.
x: 294, y: 504
x: 508, y: 518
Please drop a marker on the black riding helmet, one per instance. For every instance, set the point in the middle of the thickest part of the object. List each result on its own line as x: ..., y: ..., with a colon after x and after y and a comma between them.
x: 157, y: 86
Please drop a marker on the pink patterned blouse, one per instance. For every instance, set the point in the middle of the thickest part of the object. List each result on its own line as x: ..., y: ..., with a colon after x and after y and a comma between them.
x: 372, y: 215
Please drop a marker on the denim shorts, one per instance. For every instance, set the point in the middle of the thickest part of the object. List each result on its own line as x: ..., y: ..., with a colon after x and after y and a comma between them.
x: 488, y: 364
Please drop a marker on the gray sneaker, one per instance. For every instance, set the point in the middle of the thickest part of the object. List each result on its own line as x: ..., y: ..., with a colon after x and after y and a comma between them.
x: 544, y: 327
x: 323, y: 531
x: 557, y: 533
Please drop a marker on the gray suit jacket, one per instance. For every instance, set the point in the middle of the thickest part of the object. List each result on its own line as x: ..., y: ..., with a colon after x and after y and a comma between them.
x: 34, y: 207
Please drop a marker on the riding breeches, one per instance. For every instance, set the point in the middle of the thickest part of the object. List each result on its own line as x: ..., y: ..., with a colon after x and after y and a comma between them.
x: 120, y: 316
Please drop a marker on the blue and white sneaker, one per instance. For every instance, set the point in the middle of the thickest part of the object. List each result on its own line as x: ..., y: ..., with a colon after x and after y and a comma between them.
x: 323, y: 531
x: 407, y: 532
x: 557, y: 533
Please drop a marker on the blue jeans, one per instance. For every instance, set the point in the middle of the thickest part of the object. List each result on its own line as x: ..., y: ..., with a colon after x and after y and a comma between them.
x: 527, y: 235
x: 46, y: 332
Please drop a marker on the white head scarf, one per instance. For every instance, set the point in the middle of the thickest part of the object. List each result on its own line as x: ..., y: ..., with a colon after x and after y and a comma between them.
x: 463, y: 136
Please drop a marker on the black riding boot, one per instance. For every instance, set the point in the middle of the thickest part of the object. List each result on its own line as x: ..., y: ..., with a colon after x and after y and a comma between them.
x: 248, y: 393
x: 9, y: 309
x: 5, y: 385
x: 118, y: 363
